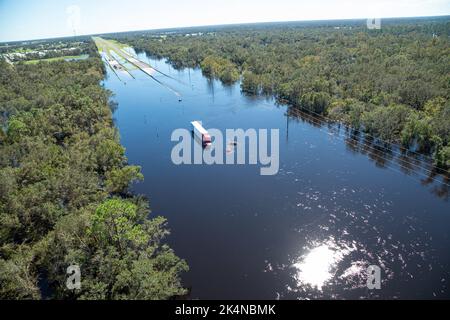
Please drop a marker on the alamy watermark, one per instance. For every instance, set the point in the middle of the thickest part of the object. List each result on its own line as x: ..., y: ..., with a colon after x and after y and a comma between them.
x: 73, y: 18
x: 374, y: 23
x: 374, y: 278
x: 237, y: 147
x: 73, y: 281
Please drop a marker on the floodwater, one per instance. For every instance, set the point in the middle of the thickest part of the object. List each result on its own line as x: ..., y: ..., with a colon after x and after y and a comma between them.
x: 337, y: 206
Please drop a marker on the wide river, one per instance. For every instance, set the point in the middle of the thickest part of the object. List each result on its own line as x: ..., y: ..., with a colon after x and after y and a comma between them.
x: 337, y: 206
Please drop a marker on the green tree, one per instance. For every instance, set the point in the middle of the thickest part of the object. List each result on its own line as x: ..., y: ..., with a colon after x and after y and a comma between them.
x: 386, y: 123
x: 18, y: 279
x: 115, y: 221
x: 118, y: 180
x: 64, y: 195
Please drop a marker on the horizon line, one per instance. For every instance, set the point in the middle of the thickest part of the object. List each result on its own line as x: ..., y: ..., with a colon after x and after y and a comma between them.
x: 218, y: 25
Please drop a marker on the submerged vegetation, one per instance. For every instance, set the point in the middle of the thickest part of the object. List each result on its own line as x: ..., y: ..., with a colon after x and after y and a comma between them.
x: 65, y: 194
x: 64, y: 197
x: 392, y: 83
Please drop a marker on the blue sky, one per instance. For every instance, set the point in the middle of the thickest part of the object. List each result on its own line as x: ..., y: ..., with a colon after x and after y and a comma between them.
x: 34, y: 19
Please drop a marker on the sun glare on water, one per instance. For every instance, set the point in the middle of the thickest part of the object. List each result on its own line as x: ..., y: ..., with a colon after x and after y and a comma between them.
x: 318, y: 266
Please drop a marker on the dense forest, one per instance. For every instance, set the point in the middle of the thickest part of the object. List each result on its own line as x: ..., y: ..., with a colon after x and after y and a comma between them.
x: 392, y: 83
x: 64, y: 192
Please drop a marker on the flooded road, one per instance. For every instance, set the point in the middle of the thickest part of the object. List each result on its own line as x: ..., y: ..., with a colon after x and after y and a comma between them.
x: 336, y: 207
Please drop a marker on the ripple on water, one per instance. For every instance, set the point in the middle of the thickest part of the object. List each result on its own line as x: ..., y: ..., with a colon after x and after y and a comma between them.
x: 345, y: 235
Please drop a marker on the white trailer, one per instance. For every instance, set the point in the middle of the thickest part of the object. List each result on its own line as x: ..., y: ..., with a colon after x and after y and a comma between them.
x: 201, y: 133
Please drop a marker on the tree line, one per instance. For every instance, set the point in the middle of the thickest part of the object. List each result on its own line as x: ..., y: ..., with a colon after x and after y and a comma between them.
x: 393, y: 83
x: 64, y: 192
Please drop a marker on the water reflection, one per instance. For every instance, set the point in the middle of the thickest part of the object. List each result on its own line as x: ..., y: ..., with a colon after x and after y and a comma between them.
x: 316, y: 268
x: 319, y: 265
x: 386, y: 156
x: 309, y: 232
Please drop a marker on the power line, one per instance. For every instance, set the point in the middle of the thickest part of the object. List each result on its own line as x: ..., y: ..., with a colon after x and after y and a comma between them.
x: 371, y: 136
x: 409, y: 162
x: 387, y: 160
